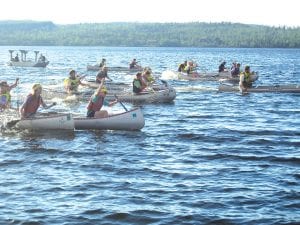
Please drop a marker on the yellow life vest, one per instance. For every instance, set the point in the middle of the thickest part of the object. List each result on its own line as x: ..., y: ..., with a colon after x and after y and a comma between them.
x: 74, y: 83
x: 149, y: 78
x: 247, y: 77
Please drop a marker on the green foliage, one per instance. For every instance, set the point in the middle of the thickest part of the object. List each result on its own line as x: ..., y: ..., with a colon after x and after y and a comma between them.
x: 149, y: 34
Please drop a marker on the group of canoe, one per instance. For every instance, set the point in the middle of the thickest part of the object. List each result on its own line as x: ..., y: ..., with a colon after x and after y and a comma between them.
x: 30, y: 119
x: 130, y: 119
x: 231, y: 80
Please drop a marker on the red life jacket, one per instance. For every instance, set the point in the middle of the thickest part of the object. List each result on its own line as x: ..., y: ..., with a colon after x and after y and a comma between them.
x: 95, y: 103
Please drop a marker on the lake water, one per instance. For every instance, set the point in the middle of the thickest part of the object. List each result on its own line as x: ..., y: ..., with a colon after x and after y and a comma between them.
x: 206, y: 158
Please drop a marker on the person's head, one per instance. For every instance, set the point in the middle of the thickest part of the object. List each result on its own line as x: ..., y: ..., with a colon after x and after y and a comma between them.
x: 139, y: 75
x: 238, y: 65
x: 224, y: 63
x: 37, y: 89
x: 103, y: 60
x: 147, y: 69
x: 72, y: 74
x: 247, y: 68
x: 4, y: 86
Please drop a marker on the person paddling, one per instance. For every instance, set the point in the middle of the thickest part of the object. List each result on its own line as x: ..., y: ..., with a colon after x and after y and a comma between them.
x: 134, y: 65
x: 102, y: 63
x: 72, y: 83
x: 5, y: 96
x: 245, y: 79
x: 222, y: 67
x: 33, y: 102
x: 147, y: 76
x: 138, y: 85
x: 235, y: 70
x: 96, y: 102
x: 102, y: 74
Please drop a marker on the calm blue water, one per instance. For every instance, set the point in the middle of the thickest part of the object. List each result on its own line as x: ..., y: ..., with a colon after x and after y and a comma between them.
x: 206, y: 158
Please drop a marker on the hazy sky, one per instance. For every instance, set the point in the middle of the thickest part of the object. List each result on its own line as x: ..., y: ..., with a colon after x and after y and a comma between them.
x: 275, y: 13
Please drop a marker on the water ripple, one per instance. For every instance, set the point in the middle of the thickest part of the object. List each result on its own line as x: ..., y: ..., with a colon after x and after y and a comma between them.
x: 206, y: 158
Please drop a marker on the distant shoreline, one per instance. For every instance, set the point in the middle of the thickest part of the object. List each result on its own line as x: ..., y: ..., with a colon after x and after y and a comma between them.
x: 123, y: 34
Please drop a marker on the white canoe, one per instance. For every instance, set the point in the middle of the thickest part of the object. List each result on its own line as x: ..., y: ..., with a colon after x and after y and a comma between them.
x: 275, y: 88
x: 55, y: 122
x: 213, y: 76
x: 28, y: 63
x: 114, y: 68
x: 130, y: 120
x: 253, y: 77
x: 224, y: 76
x: 167, y: 94
x: 210, y: 76
x: 152, y: 96
x: 121, y: 86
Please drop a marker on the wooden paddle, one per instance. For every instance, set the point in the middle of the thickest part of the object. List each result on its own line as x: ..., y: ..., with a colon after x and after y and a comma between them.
x: 121, y: 103
x: 12, y: 123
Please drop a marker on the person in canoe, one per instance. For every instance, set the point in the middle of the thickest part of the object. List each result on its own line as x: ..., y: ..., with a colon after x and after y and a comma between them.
x: 134, y: 65
x: 147, y: 77
x: 182, y: 66
x: 235, y: 70
x: 222, y: 67
x: 16, y: 58
x: 138, y: 84
x: 42, y: 58
x: 102, y: 63
x: 102, y: 74
x: 5, y: 94
x: 191, y: 69
x: 96, y: 102
x: 72, y: 83
x: 245, y: 79
x: 33, y: 101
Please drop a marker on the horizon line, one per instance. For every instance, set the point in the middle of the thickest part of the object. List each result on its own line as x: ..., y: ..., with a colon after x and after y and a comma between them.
x: 152, y: 22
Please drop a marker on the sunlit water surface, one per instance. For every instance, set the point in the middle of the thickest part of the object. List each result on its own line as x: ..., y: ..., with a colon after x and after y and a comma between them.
x: 206, y: 158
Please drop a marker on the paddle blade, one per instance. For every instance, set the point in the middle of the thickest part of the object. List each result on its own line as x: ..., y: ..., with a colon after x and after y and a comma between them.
x: 11, y: 123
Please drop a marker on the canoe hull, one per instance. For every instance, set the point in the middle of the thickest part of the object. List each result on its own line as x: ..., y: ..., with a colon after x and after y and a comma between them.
x: 28, y: 64
x: 168, y: 94
x: 225, y: 76
x: 114, y: 68
x: 275, y: 88
x: 160, y: 96
x: 118, y: 87
x: 130, y: 120
x: 57, y: 122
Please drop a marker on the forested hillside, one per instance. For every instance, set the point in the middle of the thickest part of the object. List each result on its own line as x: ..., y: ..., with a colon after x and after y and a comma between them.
x: 148, y: 34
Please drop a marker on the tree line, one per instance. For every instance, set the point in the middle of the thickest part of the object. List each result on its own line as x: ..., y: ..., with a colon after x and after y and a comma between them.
x: 195, y: 34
